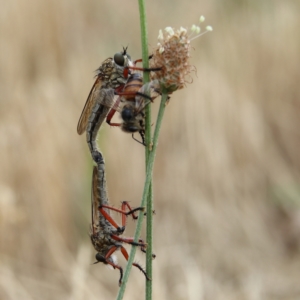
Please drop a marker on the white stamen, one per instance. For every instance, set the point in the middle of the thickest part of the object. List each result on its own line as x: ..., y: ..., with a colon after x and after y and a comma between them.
x: 193, y: 28
x: 160, y: 35
x: 169, y: 30
x: 182, y: 30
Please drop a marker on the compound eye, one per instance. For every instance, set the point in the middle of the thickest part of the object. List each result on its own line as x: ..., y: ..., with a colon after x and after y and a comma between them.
x: 127, y: 114
x: 119, y: 59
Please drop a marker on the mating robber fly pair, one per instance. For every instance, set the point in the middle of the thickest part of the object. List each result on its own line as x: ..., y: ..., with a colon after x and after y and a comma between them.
x: 118, y: 87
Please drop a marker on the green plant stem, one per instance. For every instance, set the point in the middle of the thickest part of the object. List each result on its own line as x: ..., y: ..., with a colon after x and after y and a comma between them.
x: 149, y: 206
x: 147, y: 185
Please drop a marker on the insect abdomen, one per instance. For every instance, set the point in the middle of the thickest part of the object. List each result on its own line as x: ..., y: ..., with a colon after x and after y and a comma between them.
x: 134, y: 83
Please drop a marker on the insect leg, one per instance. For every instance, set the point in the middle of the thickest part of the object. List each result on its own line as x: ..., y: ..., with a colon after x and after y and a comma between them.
x: 143, y: 248
x: 115, y: 266
x: 131, y: 211
x: 112, y: 112
x: 130, y: 241
x: 125, y: 254
x: 110, y: 219
x: 140, y: 60
x: 143, y: 69
x: 124, y: 212
x: 147, y: 69
x: 141, y: 132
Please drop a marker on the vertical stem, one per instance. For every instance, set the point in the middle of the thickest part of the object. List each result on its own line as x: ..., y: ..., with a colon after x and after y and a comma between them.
x: 146, y: 78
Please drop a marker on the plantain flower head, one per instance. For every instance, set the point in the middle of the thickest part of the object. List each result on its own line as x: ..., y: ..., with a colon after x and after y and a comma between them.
x: 172, y: 56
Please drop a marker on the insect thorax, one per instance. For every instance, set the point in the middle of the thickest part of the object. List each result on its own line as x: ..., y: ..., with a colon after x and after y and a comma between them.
x: 102, y: 242
x: 111, y: 74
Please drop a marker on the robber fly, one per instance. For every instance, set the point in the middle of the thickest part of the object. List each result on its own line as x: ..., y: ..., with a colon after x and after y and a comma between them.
x: 105, y: 232
x: 134, y: 97
x: 110, y: 77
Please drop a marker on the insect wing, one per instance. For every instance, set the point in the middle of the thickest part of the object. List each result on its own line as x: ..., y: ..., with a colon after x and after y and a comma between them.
x: 89, y: 104
x: 152, y: 88
x: 141, y: 99
x: 111, y: 102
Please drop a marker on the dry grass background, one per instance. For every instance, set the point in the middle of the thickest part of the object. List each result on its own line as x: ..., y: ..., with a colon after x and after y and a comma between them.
x: 227, y: 191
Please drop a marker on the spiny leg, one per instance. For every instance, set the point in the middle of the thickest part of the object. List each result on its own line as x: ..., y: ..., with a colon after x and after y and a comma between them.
x: 141, y: 60
x: 105, y: 260
x: 130, y: 241
x: 142, y: 69
x: 123, y: 211
x: 108, y: 217
x: 141, y: 132
x: 131, y: 211
x: 141, y: 243
x: 125, y: 254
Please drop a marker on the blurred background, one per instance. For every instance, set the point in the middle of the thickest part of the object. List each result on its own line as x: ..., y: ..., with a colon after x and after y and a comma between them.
x: 227, y: 173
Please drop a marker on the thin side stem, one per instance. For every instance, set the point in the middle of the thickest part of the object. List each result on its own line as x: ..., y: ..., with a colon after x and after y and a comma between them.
x: 147, y: 185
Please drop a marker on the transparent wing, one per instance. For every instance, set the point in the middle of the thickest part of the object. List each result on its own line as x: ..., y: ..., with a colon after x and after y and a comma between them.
x: 108, y: 100
x: 146, y: 94
x: 152, y: 88
x: 89, y: 104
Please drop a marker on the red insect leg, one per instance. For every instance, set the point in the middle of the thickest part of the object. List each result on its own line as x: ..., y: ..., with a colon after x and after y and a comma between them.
x: 130, y: 212
x: 107, y: 256
x: 125, y: 254
x: 138, y: 60
x: 108, y: 217
x: 130, y: 241
x: 113, y: 111
x: 123, y: 211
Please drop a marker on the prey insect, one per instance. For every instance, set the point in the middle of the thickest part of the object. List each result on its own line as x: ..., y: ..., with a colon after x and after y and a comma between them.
x: 105, y: 232
x: 134, y: 97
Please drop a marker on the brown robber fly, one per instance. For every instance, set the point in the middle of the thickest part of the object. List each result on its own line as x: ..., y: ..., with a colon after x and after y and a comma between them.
x: 105, y: 232
x: 110, y: 77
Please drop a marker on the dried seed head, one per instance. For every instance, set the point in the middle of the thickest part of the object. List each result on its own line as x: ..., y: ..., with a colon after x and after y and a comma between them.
x: 172, y: 55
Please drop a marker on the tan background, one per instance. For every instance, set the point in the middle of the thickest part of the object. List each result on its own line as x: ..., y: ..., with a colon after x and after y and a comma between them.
x: 227, y: 191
